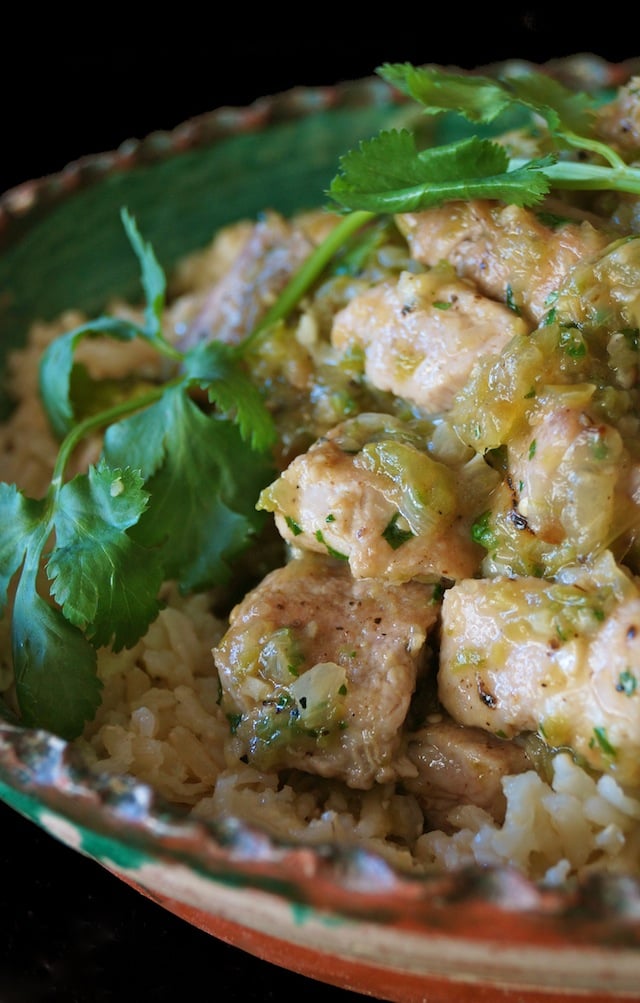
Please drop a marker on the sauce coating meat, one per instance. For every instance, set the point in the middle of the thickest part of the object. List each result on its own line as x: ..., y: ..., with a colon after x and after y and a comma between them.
x: 527, y: 655
x: 369, y: 492
x: 487, y: 453
x: 321, y: 669
x: 508, y: 251
x: 422, y: 334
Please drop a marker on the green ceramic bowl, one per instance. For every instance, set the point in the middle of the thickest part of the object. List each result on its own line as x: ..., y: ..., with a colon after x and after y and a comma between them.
x: 332, y: 915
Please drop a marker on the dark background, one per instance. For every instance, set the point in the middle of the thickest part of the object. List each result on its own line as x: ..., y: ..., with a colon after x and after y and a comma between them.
x: 69, y: 931
x: 81, y: 90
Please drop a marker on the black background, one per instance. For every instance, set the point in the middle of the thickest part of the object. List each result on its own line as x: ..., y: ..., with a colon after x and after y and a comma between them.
x: 69, y: 931
x: 86, y: 88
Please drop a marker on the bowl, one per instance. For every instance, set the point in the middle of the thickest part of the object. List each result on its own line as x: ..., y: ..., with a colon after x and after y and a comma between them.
x: 340, y: 915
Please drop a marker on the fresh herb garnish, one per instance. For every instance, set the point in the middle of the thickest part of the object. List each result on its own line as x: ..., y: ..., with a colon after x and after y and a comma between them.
x: 394, y: 534
x: 330, y: 550
x: 172, y: 497
x: 388, y: 173
x: 600, y: 739
x: 627, y: 683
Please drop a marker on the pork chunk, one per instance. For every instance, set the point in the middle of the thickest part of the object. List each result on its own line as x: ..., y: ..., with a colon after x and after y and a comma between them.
x: 422, y: 334
x: 508, y: 251
x: 528, y: 655
x: 273, y: 251
x: 569, y: 470
x: 571, y: 491
x: 369, y: 492
x: 458, y: 765
x: 318, y: 670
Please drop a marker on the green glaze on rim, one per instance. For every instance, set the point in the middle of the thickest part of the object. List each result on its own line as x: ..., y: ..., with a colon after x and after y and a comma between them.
x: 64, y: 245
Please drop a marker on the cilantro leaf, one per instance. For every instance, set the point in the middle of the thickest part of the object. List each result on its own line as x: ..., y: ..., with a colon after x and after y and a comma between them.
x: 57, y: 367
x: 202, y: 490
x: 563, y: 110
x: 153, y: 280
x: 569, y: 115
x: 482, y: 99
x: 105, y: 582
x: 478, y: 98
x: 55, y: 666
x: 388, y: 174
x: 214, y: 366
x: 19, y: 520
x: 173, y: 496
x: 138, y: 441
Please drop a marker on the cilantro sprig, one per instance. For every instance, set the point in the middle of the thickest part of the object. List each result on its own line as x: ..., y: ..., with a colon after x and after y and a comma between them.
x: 171, y: 497
x: 388, y: 173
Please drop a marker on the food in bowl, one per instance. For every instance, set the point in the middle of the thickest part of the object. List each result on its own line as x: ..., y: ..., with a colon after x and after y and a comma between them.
x: 337, y: 532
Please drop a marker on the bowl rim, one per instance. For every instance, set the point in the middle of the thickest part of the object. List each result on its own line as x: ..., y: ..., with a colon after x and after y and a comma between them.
x: 20, y: 201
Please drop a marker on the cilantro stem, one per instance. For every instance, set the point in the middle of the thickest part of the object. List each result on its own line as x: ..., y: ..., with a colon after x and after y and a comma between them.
x: 572, y: 175
x: 308, y: 273
x: 101, y: 420
x: 595, y: 146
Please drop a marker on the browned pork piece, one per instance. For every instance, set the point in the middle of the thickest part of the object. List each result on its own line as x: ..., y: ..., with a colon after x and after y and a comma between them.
x: 528, y: 655
x: 509, y: 252
x: 422, y: 334
x: 318, y: 670
x: 574, y: 478
x: 571, y: 491
x: 272, y: 253
x: 369, y: 492
x: 458, y: 765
